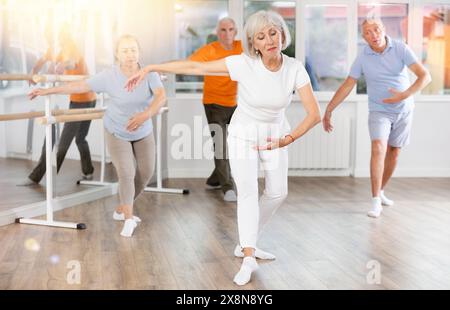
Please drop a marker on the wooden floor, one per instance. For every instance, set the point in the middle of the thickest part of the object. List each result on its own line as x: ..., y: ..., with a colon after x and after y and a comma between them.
x: 321, y: 236
x: 15, y: 171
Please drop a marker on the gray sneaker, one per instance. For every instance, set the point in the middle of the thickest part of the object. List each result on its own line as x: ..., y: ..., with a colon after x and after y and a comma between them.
x: 213, y: 187
x: 230, y: 196
x: 88, y: 177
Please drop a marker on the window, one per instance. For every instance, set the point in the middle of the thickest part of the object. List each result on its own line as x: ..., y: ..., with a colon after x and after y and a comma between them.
x: 16, y: 51
x: 326, y: 36
x: 285, y: 8
x: 196, y: 22
x: 395, y: 20
x: 436, y: 47
x: 91, y: 26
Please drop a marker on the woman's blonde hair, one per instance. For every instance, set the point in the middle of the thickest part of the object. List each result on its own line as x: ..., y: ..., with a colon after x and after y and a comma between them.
x: 123, y: 38
x: 256, y: 23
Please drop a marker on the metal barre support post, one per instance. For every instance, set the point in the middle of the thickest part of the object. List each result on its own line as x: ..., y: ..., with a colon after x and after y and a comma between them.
x: 49, y: 179
x: 159, y: 188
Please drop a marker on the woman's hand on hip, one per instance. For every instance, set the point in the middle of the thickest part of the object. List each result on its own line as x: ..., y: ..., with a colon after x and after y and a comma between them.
x: 137, y: 120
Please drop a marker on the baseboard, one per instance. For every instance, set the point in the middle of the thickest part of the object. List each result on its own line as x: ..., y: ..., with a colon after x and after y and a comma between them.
x: 188, y: 173
x: 319, y: 173
x: 59, y: 203
x: 410, y: 173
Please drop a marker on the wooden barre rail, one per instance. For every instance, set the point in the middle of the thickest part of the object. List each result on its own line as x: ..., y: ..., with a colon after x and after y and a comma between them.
x: 42, y: 78
x: 69, y: 118
x: 34, y: 114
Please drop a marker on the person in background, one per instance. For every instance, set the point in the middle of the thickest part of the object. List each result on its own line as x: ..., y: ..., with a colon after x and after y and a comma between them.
x: 219, y: 100
x: 128, y: 124
x: 69, y: 61
x: 384, y: 63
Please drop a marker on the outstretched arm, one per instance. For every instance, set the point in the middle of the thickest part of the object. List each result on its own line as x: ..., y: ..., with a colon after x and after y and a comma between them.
x: 68, y: 88
x: 188, y: 67
x: 337, y: 99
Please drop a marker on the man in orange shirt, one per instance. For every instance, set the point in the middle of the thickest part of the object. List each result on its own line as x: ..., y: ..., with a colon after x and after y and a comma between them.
x: 219, y: 99
x: 69, y: 61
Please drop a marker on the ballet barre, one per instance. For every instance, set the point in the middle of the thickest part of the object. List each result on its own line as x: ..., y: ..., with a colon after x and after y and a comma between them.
x: 159, y: 187
x: 36, y: 114
x: 49, y: 221
x: 42, y: 78
x: 69, y: 118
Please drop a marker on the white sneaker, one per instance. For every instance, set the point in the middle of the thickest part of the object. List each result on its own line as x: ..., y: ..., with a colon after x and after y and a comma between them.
x: 121, y: 217
x: 128, y: 228
x: 258, y: 253
x: 230, y: 196
x: 245, y: 273
x: 376, y: 207
x: 386, y: 201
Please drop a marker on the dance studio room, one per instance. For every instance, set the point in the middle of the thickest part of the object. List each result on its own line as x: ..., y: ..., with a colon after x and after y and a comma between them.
x: 135, y: 153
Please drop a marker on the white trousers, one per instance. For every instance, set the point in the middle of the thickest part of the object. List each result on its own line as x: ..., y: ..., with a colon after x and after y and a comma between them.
x: 253, y: 212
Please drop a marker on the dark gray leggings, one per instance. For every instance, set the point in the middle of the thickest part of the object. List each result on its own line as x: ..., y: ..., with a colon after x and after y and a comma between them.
x: 134, y: 162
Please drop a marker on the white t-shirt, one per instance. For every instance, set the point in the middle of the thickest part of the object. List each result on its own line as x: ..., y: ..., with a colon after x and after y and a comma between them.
x: 263, y: 95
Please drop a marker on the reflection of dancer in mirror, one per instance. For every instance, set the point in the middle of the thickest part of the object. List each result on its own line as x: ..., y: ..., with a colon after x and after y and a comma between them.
x: 266, y: 80
x: 128, y: 124
x: 71, y: 62
x: 384, y: 63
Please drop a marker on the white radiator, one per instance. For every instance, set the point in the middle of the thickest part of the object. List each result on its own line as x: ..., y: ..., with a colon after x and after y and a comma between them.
x: 321, y: 150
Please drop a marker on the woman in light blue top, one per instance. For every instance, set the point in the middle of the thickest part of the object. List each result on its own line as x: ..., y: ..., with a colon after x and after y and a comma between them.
x: 127, y: 121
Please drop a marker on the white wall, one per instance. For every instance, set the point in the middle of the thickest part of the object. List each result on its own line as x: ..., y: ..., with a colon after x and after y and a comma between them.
x: 428, y: 155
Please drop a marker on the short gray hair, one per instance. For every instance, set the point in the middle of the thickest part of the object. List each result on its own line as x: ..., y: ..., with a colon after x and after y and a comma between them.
x: 225, y: 19
x: 373, y: 20
x: 258, y: 21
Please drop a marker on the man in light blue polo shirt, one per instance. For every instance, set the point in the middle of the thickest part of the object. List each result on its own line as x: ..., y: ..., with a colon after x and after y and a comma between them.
x: 384, y: 64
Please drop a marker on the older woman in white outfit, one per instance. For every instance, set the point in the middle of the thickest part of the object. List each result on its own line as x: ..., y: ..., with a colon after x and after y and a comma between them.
x: 258, y: 132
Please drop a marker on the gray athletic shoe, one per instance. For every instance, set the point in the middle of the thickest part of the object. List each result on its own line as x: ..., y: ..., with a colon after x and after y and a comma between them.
x: 88, y: 177
x: 230, y: 196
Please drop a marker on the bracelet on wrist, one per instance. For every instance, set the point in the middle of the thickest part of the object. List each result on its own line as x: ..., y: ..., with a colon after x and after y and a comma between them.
x: 289, y: 135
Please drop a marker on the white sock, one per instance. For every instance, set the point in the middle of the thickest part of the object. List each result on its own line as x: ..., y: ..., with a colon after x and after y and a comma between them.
x: 385, y: 201
x: 258, y: 253
x: 128, y: 228
x: 245, y: 273
x: 121, y: 217
x: 376, y: 207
